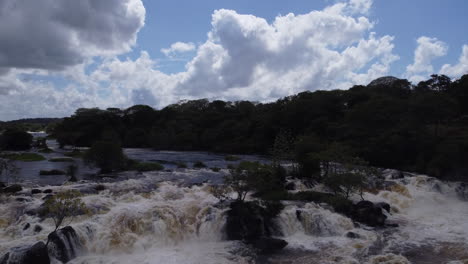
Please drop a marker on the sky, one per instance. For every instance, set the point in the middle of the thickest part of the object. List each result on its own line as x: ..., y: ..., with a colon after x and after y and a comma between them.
x: 60, y: 55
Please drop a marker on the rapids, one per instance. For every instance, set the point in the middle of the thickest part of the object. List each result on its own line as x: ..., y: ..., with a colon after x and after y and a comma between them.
x: 173, y: 217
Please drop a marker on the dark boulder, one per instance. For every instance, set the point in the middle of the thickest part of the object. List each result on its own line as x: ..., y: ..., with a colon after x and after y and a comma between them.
x: 37, y: 228
x: 352, y: 235
x: 47, y: 191
x: 64, y: 244
x: 269, y: 245
x: 26, y: 226
x: 290, y: 186
x: 384, y: 206
x: 35, y: 191
x: 14, y: 188
x: 2, y: 185
x: 368, y: 213
x: 36, y: 254
x: 250, y: 221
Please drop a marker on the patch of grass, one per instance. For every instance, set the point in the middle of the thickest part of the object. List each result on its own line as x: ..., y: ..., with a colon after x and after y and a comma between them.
x: 61, y: 160
x: 46, y: 150
x: 28, y: 157
x: 231, y: 158
x: 199, y: 165
x: 76, y: 153
x: 148, y: 166
x: 51, y: 172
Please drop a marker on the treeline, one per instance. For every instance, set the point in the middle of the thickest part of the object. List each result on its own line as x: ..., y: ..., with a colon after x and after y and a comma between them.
x: 29, y: 124
x: 389, y: 123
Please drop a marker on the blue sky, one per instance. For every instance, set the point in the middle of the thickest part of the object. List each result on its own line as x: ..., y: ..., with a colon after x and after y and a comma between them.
x: 117, y: 53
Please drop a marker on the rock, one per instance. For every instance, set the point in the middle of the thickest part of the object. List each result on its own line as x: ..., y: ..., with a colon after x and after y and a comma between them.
x: 14, y: 188
x: 100, y: 187
x: 27, y: 226
x: 268, y: 245
x: 367, y: 213
x: 384, y: 206
x: 64, y: 244
x: 299, y: 215
x: 352, y: 235
x: 290, y: 186
x: 47, y: 191
x: 2, y: 185
x: 4, y: 259
x: 35, y: 191
x: 21, y: 199
x: 47, y: 197
x: 36, y: 254
x: 37, y: 228
x: 249, y: 221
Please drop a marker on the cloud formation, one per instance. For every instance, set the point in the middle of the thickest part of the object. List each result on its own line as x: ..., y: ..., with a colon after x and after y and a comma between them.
x: 178, y: 47
x: 427, y: 50
x: 459, y: 69
x: 54, y: 34
x: 244, y: 57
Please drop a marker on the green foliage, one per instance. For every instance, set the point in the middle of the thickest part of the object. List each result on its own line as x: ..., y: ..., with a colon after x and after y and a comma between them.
x: 76, y: 153
x: 231, y: 158
x: 253, y: 176
x: 45, y: 150
x: 147, y: 166
x: 199, y: 165
x: 390, y: 124
x: 27, y: 157
x: 61, y: 160
x: 107, y: 156
x: 182, y: 165
x: 62, y: 205
x: 51, y: 172
x: 71, y: 171
x: 15, y: 139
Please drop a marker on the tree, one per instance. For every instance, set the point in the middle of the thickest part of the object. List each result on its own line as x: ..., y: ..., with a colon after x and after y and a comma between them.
x: 63, y: 205
x: 107, y: 156
x: 255, y: 177
x: 14, y: 139
x: 71, y: 172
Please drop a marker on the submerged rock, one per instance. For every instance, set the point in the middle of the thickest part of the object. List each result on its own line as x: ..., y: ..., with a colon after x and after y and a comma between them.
x: 36, y: 254
x: 35, y: 191
x: 369, y: 213
x: 14, y: 188
x: 269, y: 245
x: 249, y: 221
x: 64, y: 244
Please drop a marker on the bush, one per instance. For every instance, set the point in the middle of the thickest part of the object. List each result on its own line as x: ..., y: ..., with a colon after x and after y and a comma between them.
x: 231, y: 158
x: 13, y: 139
x: 199, y: 165
x: 46, y: 150
x: 107, y: 156
x: 51, y: 172
x: 28, y: 157
x: 62, y: 205
x: 182, y: 165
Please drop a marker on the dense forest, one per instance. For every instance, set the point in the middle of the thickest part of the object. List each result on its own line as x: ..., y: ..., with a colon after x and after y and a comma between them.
x: 389, y: 123
x: 29, y: 124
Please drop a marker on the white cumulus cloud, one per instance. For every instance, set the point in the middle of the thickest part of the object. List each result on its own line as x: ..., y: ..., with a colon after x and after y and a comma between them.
x: 427, y: 50
x: 178, y: 47
x: 458, y: 69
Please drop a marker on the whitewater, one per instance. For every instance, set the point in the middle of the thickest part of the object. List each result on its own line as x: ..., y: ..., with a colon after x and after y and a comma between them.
x: 163, y: 217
